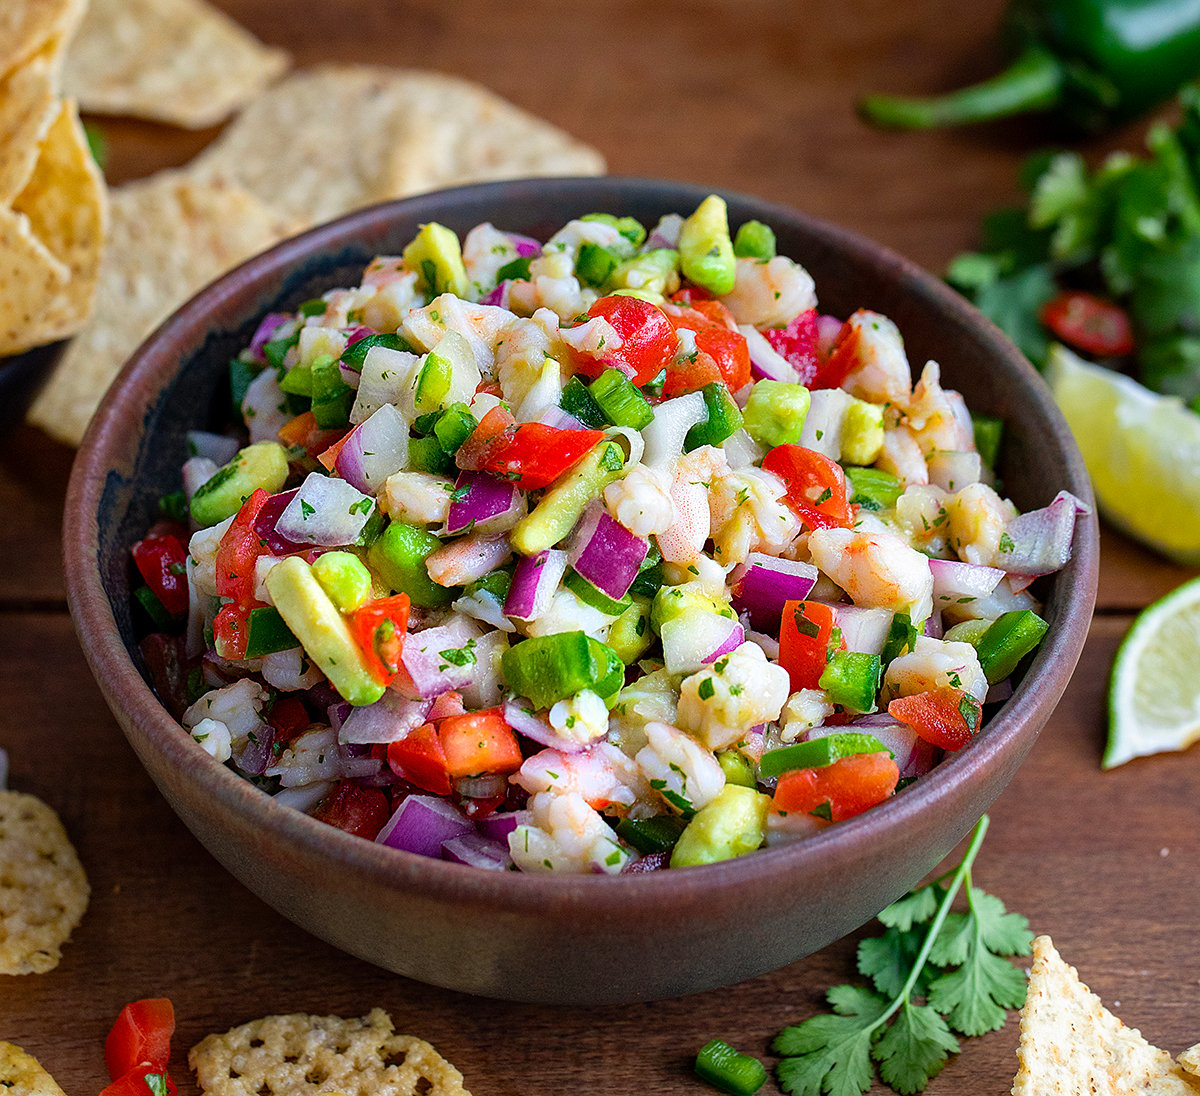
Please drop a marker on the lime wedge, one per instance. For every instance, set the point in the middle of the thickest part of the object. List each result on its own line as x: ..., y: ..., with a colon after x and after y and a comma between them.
x: 1141, y: 449
x: 1154, y: 695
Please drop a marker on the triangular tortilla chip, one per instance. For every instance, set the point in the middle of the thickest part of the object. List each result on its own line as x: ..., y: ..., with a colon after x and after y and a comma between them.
x: 29, y: 277
x: 22, y: 1074
x: 1071, y: 1045
x: 27, y: 25
x: 177, y: 61
x: 1190, y: 1060
x: 169, y: 236
x: 28, y: 106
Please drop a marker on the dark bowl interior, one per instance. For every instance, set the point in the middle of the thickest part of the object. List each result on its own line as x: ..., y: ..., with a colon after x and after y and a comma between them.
x: 579, y: 939
x: 22, y: 377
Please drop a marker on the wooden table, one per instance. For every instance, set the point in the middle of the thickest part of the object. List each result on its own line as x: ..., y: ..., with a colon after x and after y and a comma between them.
x: 753, y: 95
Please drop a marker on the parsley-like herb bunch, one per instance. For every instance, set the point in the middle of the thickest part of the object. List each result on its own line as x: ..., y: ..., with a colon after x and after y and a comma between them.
x: 934, y: 972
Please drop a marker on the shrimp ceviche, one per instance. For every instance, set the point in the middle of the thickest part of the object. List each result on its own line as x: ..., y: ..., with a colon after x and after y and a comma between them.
x: 604, y: 554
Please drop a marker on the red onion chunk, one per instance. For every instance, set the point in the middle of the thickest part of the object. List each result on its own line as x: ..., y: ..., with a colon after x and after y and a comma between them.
x: 196, y: 472
x: 253, y: 754
x: 358, y: 334
x: 864, y: 630
x: 477, y: 851
x: 912, y: 754
x: 498, y: 825
x: 520, y: 715
x: 325, y: 511
x: 389, y: 719
x: 498, y: 296
x: 527, y: 247
x: 693, y: 639
x: 605, y: 553
x: 216, y: 447
x: 558, y: 418
x: 1042, y: 538
x: 373, y: 450
x: 737, y: 636
x: 265, y: 525
x: 534, y: 584
x: 955, y: 583
x: 766, y: 584
x: 934, y: 628
x: 652, y: 861
x: 422, y: 824
x: 468, y: 558
x: 436, y: 660
x: 479, y: 498
x: 765, y: 361
x: 265, y: 332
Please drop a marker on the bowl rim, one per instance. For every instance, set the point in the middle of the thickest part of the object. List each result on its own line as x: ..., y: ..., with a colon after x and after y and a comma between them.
x: 599, y: 896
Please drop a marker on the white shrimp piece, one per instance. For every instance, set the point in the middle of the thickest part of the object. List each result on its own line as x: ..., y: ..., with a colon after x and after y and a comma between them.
x: 564, y: 834
x: 568, y: 240
x: 690, y: 486
x: 202, y: 549
x: 214, y: 738
x: 563, y: 294
x: 485, y: 250
x: 705, y: 575
x: 934, y: 664
x: 265, y: 407
x: 479, y: 324
x: 650, y: 699
x: 522, y: 349
x: 920, y: 514
x: 581, y: 718
x: 420, y: 498
x: 683, y: 772
x: 567, y: 613
x: 880, y: 372
x: 238, y: 707
x: 877, y: 570
x: 938, y: 418
x: 290, y: 671
x: 977, y: 518
x: 804, y: 710
x: 748, y: 514
x: 311, y: 757
x: 769, y: 294
x: 1003, y: 599
x: 595, y: 337
x: 387, y: 294
x: 464, y: 559
x: 901, y: 455
x: 720, y: 703
x: 602, y: 775
x: 641, y: 501
x: 384, y: 270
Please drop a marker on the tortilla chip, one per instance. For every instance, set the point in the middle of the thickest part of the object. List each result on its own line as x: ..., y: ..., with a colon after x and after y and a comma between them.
x: 337, y: 137
x: 21, y: 1074
x: 169, y: 236
x: 43, y: 890
x: 28, y: 106
x: 1071, y: 1045
x: 28, y: 25
x: 300, y: 1055
x: 177, y: 61
x: 1190, y: 1060
x: 29, y: 277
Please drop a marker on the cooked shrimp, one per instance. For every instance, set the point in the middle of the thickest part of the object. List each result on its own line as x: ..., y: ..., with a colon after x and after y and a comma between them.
x: 933, y: 664
x: 877, y: 570
x: 901, y: 455
x: 769, y: 294
x: 690, y: 487
x: 602, y: 775
x: 565, y: 834
x: 978, y: 518
x: 938, y: 418
x: 879, y: 369
x: 749, y: 515
x: 682, y: 771
x: 641, y: 501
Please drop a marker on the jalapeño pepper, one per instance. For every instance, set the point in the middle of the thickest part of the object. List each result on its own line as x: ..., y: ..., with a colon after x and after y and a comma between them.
x: 1092, y: 62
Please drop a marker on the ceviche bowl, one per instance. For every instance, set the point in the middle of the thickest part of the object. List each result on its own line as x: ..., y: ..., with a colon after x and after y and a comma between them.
x: 546, y: 936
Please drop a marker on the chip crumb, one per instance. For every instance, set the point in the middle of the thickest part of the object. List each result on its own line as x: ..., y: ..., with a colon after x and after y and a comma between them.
x: 299, y: 1055
x: 21, y: 1074
x: 43, y: 888
x: 1071, y: 1045
x: 1190, y: 1060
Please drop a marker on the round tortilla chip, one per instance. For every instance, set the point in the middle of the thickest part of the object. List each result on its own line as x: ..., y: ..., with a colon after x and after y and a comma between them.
x: 43, y: 889
x: 27, y: 25
x: 177, y: 61
x: 21, y: 1074
x: 28, y: 106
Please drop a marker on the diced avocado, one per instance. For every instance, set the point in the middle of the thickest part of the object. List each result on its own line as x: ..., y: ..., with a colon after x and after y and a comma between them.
x: 731, y: 824
x: 547, y: 669
x: 967, y: 631
x: 631, y: 634
x: 263, y: 464
x: 436, y: 257
x: 566, y: 499
x: 654, y: 274
x: 322, y: 630
x: 736, y: 767
x: 754, y: 240
x: 775, y: 413
x: 595, y: 263
x: 673, y: 601
x: 873, y: 488
x: 398, y: 558
x: 345, y: 578
x: 705, y: 249
x: 433, y: 383
x: 862, y: 432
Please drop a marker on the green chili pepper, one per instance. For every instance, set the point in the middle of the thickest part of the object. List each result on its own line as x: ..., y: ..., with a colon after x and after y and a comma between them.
x: 1093, y: 62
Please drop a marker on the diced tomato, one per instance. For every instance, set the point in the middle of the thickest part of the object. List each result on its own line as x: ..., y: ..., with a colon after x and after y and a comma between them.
x: 720, y: 346
x: 238, y: 553
x: 418, y: 757
x: 488, y: 440
x: 816, y: 486
x: 847, y: 787
x: 538, y: 454
x: 142, y: 1081
x: 140, y: 1037
x: 380, y: 627
x: 1089, y: 323
x: 944, y: 717
x: 328, y: 457
x: 648, y: 341
x: 690, y: 374
x: 162, y: 562
x: 479, y: 742
x: 805, y: 630
x: 355, y: 809
x: 304, y: 433
x: 798, y: 344
x: 289, y: 718
x: 231, y: 629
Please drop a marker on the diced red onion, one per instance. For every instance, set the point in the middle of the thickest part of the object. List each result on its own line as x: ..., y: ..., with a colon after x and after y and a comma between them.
x: 499, y: 824
x: 672, y: 420
x: 954, y: 581
x: 264, y: 407
x: 357, y: 764
x: 447, y: 705
x: 737, y: 636
x: 305, y: 797
x: 253, y: 753
x: 218, y: 448
x: 325, y: 511
x: 527, y: 247
x: 665, y: 233
x: 1042, y: 538
x: 766, y: 583
x: 534, y: 583
x: 952, y: 470
x: 468, y: 558
x: 486, y: 689
x: 389, y: 719
x: 359, y: 333
x: 934, y: 628
x: 267, y: 520
x: 823, y: 425
x: 477, y: 851
x: 864, y: 630
x: 373, y: 450
x: 765, y: 360
x: 425, y: 672
x: 912, y: 754
x: 559, y: 419
x: 693, y: 639
x: 499, y: 295
x: 387, y: 376
x: 520, y: 715
x: 267, y: 327
x: 652, y: 861
x: 338, y: 712
x: 479, y: 499
x: 197, y: 471
x: 422, y: 824
x: 605, y: 553
x: 828, y: 330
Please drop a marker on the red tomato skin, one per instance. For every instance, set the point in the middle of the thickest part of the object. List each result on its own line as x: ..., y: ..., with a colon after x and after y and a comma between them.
x: 162, y: 562
x: 231, y: 629
x: 288, y: 718
x: 849, y: 786
x: 538, y: 454
x: 355, y: 809
x: 488, y: 440
x: 479, y: 742
x: 141, y: 1036
x: 805, y: 656
x: 720, y: 346
x: 418, y: 757
x: 382, y: 653
x: 648, y: 341
x: 939, y: 716
x: 238, y: 552
x: 1089, y: 323
x: 816, y: 486
x: 134, y: 1082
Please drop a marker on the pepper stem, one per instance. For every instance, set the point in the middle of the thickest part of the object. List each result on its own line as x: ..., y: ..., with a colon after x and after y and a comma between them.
x: 1034, y: 81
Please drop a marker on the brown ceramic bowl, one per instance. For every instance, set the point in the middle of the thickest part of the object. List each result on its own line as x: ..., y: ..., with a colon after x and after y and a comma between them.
x: 576, y: 939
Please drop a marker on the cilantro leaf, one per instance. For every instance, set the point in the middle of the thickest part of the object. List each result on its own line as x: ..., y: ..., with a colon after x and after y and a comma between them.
x: 914, y: 907
x: 1000, y: 931
x: 913, y: 1050
x: 831, y: 1054
x: 887, y: 959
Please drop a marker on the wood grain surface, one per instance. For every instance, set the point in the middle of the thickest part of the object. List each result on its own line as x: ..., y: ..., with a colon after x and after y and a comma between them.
x: 754, y: 96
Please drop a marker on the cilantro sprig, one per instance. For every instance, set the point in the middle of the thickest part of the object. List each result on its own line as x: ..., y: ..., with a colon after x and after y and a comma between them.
x: 933, y: 972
